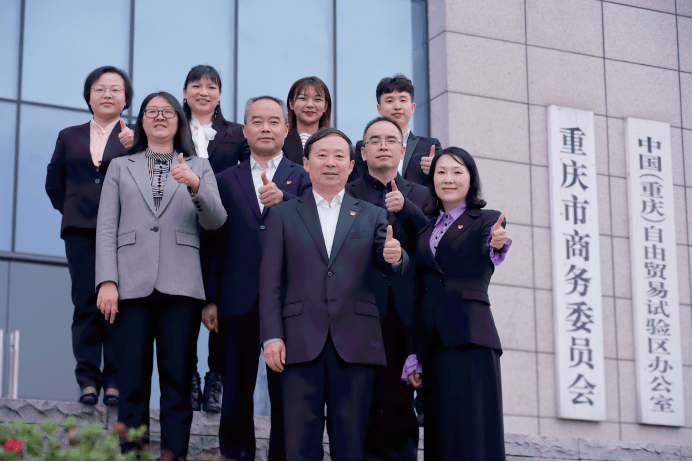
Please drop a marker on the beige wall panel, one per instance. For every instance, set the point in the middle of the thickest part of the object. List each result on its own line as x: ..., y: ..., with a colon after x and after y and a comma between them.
x: 514, y: 270
x: 684, y: 30
x: 512, y: 194
x: 624, y: 330
x: 544, y: 308
x: 513, y: 313
x: 519, y: 376
x: 569, y: 25
x: 482, y: 18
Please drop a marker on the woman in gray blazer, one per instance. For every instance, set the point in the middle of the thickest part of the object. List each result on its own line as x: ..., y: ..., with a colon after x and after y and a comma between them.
x: 148, y: 274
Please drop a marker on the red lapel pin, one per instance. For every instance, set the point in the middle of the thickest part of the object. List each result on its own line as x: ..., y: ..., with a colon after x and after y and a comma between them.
x: 288, y: 181
x: 352, y: 213
x: 459, y: 226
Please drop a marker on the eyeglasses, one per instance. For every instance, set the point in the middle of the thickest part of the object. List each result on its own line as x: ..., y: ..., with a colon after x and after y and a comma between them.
x: 154, y: 113
x: 100, y: 91
x: 389, y: 142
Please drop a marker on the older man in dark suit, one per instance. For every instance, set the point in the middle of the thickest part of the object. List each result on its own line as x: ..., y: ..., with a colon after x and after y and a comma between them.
x: 231, y: 269
x: 319, y: 321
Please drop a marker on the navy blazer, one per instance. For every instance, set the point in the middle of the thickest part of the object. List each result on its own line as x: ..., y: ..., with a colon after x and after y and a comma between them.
x: 405, y: 228
x: 304, y: 295
x: 417, y: 147
x: 231, y: 255
x: 453, y: 285
x: 228, y: 147
x: 73, y: 184
x: 293, y: 148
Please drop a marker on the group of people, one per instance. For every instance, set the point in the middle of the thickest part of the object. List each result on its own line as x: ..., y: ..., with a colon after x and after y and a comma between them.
x: 356, y: 271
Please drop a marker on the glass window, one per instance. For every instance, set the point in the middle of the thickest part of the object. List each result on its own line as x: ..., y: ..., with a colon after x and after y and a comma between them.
x: 173, y: 37
x: 294, y: 41
x: 373, y: 41
x: 38, y: 223
x: 65, y: 41
x: 9, y: 48
x: 8, y: 114
x: 420, y: 67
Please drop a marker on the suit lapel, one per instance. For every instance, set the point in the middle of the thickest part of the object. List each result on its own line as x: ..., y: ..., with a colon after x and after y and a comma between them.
x: 140, y: 172
x: 283, y: 171
x: 308, y: 210
x: 347, y: 216
x: 170, y: 186
x: 404, y: 187
x: 113, y: 147
x: 245, y: 178
x: 359, y: 190
x: 459, y: 226
x: 411, y: 144
x: 221, y: 128
x: 426, y: 253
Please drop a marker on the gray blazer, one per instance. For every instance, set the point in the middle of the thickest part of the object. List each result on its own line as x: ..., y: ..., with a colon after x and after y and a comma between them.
x: 142, y: 249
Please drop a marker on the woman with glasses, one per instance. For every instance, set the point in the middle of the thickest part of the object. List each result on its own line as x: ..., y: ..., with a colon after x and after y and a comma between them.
x: 74, y: 180
x: 310, y: 109
x: 148, y: 273
x: 223, y: 143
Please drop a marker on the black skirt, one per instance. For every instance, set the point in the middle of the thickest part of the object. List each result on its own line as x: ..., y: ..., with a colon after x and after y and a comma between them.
x: 464, y: 403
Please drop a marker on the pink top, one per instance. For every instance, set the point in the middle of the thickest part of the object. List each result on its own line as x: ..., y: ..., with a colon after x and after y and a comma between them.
x: 98, y: 137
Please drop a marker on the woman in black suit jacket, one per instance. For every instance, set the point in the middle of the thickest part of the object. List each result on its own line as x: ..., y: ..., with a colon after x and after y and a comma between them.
x: 223, y: 143
x: 73, y: 183
x: 310, y: 109
x: 457, y: 340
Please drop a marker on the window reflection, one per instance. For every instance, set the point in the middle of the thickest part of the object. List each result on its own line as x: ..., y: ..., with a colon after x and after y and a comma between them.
x: 38, y: 223
x: 9, y: 47
x: 8, y: 114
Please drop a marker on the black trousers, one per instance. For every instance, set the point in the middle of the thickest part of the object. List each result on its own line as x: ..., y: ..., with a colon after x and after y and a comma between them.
x: 464, y: 403
x: 173, y: 322
x: 91, y: 333
x: 345, y: 388
x: 241, y: 353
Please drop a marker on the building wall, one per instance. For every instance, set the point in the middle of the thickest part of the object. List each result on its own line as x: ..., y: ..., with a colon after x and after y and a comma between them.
x: 494, y: 67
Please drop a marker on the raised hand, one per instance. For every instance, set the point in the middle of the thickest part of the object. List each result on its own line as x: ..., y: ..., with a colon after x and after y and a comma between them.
x: 394, y: 200
x: 270, y: 194
x: 498, y: 234
x: 426, y: 161
x: 126, y: 136
x: 415, y: 379
x: 392, y: 251
x: 182, y: 174
x: 275, y: 355
x: 209, y: 317
x: 107, y: 300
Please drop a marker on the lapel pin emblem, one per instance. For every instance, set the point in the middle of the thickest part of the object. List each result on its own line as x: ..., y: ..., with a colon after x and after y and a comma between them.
x: 288, y: 181
x: 459, y: 226
x: 352, y: 213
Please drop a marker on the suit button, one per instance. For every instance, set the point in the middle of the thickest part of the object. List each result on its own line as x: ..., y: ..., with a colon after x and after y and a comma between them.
x: 97, y: 181
x: 329, y: 273
x: 262, y: 227
x: 155, y: 229
x: 325, y: 301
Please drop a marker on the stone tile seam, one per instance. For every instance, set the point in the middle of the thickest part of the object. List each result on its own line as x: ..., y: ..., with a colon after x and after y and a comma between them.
x: 643, y: 8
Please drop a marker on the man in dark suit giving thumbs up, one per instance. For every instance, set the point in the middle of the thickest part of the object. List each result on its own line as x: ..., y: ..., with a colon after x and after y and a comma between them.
x: 319, y: 321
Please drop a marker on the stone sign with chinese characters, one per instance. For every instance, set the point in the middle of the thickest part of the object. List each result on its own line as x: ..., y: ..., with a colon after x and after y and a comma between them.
x: 577, y: 291
x: 654, y: 277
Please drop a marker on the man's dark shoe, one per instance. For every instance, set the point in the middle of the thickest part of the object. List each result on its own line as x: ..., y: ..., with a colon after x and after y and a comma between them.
x: 212, y: 393
x: 195, y: 392
x: 88, y: 398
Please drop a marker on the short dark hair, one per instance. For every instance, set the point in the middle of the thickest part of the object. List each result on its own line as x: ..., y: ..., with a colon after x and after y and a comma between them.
x: 320, y: 89
x: 182, y: 141
x: 324, y: 132
x: 252, y: 101
x: 382, y: 119
x: 397, y: 83
x: 196, y: 74
x: 473, y: 200
x: 96, y: 75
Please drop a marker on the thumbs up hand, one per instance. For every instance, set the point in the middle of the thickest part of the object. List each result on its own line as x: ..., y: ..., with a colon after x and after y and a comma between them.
x: 270, y: 194
x: 126, y: 136
x: 182, y: 174
x: 392, y: 251
x: 394, y: 200
x: 498, y: 234
x: 426, y: 161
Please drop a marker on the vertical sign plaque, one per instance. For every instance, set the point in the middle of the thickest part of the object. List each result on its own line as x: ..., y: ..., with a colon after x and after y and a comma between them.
x: 654, y: 277
x: 577, y: 291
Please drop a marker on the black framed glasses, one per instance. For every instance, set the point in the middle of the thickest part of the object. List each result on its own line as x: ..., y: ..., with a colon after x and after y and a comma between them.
x: 154, y: 113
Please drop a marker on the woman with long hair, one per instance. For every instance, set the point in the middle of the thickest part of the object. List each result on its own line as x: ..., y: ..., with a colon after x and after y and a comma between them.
x: 310, y: 109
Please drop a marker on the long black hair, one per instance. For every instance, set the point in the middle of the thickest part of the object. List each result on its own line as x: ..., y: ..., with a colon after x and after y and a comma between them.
x: 462, y: 157
x: 182, y: 141
x: 196, y: 74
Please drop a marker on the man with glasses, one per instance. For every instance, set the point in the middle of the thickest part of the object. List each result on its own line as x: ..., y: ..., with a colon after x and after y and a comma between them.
x: 395, y: 98
x: 393, y: 433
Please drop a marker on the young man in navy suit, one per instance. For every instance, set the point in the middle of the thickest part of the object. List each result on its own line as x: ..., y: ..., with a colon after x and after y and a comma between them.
x: 319, y: 319
x: 395, y: 97
x: 231, y: 270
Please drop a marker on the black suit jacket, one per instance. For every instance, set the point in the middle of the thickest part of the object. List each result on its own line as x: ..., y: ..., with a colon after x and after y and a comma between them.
x: 417, y: 146
x: 72, y: 182
x: 304, y: 294
x: 231, y: 255
x: 405, y: 228
x: 293, y: 149
x: 453, y: 289
x: 228, y: 147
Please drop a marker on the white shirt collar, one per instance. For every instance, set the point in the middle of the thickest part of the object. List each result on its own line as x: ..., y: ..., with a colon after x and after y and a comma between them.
x: 272, y: 163
x: 196, y: 123
x: 322, y: 202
